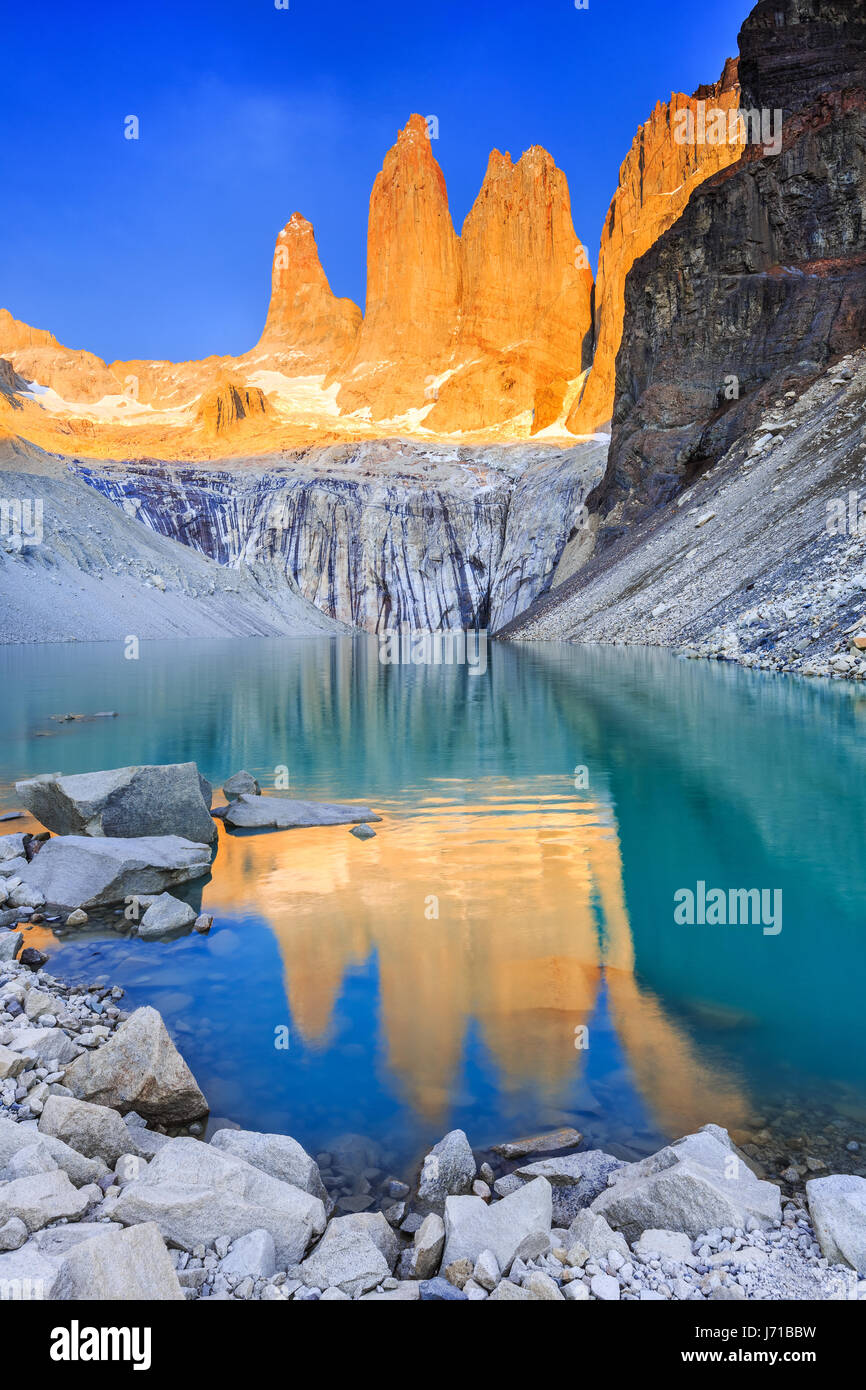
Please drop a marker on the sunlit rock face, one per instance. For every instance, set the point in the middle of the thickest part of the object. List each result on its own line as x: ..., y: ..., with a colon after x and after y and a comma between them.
x: 526, y: 300
x: 226, y: 407
x: 380, y: 535
x: 656, y: 180
x: 37, y: 353
x: 307, y: 328
x: 483, y: 335
x: 413, y: 283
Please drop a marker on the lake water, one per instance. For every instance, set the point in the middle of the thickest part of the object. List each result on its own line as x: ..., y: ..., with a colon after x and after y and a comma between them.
x: 504, y: 955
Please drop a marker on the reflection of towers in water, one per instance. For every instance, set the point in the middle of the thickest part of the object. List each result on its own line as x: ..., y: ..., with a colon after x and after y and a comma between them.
x: 531, y: 920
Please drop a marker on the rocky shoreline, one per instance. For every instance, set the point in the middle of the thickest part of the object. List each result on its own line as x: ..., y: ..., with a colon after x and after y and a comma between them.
x: 115, y: 1184
x: 108, y: 1190
x: 760, y: 561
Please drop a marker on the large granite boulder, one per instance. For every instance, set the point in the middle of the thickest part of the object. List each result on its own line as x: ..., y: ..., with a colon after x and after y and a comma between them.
x: 346, y: 1258
x: 17, y: 1138
x: 277, y: 813
x: 140, y: 1069
x: 194, y: 1193
x: 837, y: 1205
x: 168, y: 799
x: 448, y: 1170
x: 121, y: 1265
x: 42, y: 1198
x: 93, y: 1130
x: 50, y: 1047
x: 12, y: 847
x: 691, y: 1186
x: 277, y: 1154
x: 519, y: 1224
x: 10, y: 944
x: 91, y: 1261
x: 576, y: 1180
x: 76, y: 871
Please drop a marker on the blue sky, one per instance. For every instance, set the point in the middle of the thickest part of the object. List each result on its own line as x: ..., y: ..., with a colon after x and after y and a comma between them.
x: 161, y: 247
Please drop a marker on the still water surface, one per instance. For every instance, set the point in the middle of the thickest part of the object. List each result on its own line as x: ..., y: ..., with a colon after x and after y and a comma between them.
x: 443, y: 973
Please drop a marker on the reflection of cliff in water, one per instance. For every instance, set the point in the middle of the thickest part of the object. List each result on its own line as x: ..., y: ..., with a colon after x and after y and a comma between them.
x: 742, y: 780
x: 531, y: 922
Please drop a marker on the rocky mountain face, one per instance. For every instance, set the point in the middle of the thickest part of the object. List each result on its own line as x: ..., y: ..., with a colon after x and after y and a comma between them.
x: 656, y: 180
x: 730, y: 519
x: 762, y: 281
x: 525, y: 302
x: 36, y: 354
x: 760, y: 561
x: 223, y: 409
x: 413, y: 283
x: 485, y: 334
x: 480, y: 329
x: 378, y: 535
x: 93, y: 573
x: 307, y: 329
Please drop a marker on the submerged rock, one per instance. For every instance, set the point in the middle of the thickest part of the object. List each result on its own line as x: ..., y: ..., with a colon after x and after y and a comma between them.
x: 165, y: 914
x: 277, y: 813
x: 167, y: 799
x: 565, y: 1138
x: 241, y: 784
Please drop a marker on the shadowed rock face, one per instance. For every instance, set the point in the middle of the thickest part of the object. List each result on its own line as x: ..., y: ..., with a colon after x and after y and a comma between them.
x: 819, y: 47
x: 763, y: 276
x: 380, y: 535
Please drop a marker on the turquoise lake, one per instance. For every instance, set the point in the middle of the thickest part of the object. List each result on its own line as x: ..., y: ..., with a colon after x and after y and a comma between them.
x: 504, y: 955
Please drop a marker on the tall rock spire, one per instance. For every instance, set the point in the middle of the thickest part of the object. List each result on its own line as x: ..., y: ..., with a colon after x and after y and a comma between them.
x: 306, y: 324
x: 413, y: 282
x: 526, y: 304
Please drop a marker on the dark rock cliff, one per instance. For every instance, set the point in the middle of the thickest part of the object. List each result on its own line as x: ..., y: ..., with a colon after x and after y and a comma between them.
x: 762, y: 281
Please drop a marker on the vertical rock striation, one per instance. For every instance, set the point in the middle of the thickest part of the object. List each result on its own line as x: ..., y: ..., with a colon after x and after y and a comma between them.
x: 382, y: 534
